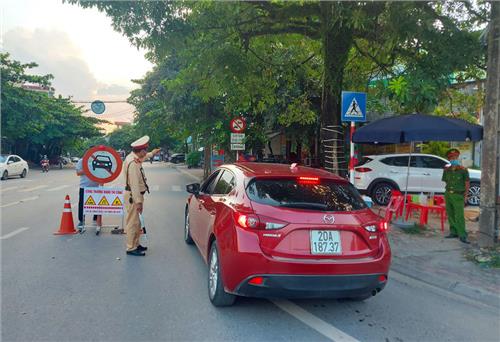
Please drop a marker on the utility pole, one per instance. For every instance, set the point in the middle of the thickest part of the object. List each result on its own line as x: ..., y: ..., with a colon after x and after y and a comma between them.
x: 490, y: 188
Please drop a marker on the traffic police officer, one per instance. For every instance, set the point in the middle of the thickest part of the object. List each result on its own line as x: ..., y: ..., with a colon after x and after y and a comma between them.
x: 456, y: 178
x: 135, y: 189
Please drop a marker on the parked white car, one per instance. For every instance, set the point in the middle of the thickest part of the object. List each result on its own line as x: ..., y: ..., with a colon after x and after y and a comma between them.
x: 378, y: 175
x: 12, y: 165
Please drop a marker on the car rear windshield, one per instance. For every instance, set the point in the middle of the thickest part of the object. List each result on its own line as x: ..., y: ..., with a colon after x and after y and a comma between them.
x: 328, y: 195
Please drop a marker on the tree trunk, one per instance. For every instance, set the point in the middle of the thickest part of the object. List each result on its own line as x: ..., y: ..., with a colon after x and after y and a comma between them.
x: 337, y: 42
x: 489, y: 219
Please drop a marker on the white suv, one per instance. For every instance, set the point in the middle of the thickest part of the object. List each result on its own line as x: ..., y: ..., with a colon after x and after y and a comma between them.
x: 378, y: 175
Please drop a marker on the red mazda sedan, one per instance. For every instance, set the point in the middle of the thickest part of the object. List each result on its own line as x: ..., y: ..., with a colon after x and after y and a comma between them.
x: 274, y: 230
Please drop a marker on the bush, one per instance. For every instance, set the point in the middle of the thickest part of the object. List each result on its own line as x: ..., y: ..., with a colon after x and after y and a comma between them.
x: 193, y: 159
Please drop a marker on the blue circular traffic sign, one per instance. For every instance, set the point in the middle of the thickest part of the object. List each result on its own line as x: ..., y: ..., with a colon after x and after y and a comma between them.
x: 98, y: 107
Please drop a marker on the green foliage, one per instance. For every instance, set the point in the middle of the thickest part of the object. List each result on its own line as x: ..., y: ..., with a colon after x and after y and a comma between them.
x: 35, y: 123
x: 437, y: 148
x: 283, y: 64
x: 193, y: 159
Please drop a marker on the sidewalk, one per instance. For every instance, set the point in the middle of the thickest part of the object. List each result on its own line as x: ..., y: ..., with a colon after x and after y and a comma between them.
x: 432, y: 259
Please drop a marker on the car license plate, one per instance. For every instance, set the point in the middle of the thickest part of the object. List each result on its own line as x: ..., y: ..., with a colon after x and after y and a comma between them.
x: 325, y: 242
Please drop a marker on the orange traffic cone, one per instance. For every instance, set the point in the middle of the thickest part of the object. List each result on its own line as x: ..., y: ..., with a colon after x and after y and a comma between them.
x: 67, y: 225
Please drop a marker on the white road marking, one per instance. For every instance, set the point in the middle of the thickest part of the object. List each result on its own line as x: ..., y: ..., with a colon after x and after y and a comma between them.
x: 176, y: 188
x: 34, y: 188
x: 9, y: 188
x: 19, y: 202
x: 58, y: 188
x: 155, y: 188
x: 324, y: 328
x: 15, y: 232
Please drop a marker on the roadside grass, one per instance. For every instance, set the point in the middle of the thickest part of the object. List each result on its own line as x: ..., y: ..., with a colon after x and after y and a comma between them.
x: 484, y: 257
x: 415, y: 230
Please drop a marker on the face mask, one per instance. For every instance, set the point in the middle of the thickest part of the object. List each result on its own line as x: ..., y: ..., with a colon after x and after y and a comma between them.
x: 455, y: 162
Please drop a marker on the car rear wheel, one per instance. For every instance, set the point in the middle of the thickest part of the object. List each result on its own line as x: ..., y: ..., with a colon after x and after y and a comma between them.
x: 474, y: 194
x: 23, y: 174
x: 381, y: 193
x: 216, y: 292
x: 5, y: 175
x: 187, y: 231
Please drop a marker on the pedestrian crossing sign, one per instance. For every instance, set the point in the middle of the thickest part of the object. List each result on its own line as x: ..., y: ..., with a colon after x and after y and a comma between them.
x: 90, y: 201
x: 103, y: 201
x: 117, y: 202
x: 353, y: 106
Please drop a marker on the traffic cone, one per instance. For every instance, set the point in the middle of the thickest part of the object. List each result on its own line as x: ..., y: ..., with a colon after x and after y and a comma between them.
x: 67, y: 225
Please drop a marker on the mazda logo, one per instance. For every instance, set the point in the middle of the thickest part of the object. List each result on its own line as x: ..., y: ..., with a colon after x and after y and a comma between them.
x: 329, y: 219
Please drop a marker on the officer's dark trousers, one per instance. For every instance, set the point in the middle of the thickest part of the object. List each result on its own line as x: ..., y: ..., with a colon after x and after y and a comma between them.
x: 455, y: 212
x: 80, y: 206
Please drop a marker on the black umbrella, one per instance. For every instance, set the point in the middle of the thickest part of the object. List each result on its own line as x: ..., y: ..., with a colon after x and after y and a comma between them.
x: 416, y: 127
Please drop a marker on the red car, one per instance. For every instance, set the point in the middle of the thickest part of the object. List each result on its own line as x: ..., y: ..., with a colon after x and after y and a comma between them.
x: 275, y: 230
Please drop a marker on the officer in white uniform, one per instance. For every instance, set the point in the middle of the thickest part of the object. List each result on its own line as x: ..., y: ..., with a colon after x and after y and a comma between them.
x: 135, y: 188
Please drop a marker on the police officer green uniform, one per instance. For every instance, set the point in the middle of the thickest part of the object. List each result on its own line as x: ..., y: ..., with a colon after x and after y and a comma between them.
x: 456, y: 178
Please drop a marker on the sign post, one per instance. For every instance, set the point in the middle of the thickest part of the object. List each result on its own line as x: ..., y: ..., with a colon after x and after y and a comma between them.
x: 354, y: 110
x: 238, y: 126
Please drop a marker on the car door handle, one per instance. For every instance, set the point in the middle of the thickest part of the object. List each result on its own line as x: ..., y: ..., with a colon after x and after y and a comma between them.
x: 392, y: 171
x: 426, y: 174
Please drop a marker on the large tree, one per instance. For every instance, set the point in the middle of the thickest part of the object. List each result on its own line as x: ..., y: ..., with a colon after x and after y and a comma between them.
x: 417, y: 36
x: 35, y: 123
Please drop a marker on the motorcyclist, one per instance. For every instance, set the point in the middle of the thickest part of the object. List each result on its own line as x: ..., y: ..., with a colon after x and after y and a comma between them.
x: 45, y: 163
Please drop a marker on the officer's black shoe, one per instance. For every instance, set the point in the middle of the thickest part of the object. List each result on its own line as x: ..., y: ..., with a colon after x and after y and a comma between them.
x: 451, y: 236
x: 464, y: 240
x: 136, y: 252
x: 141, y: 248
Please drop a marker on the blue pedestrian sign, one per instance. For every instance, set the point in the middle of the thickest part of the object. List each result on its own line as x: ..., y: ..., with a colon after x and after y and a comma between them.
x: 353, y: 106
x: 98, y: 107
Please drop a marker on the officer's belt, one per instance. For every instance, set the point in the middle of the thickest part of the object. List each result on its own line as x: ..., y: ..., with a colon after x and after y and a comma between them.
x: 455, y: 192
x: 127, y: 188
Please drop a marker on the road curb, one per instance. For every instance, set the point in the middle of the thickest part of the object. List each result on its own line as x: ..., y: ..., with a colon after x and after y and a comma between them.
x: 459, y: 288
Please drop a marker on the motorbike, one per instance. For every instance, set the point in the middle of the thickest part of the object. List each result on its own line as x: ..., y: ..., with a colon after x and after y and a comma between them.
x: 45, y: 165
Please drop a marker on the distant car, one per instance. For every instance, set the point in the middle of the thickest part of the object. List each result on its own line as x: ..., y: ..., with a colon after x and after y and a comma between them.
x: 178, y: 158
x: 269, y: 230
x: 378, y: 175
x: 75, y: 159
x: 157, y: 158
x: 102, y: 162
x: 12, y: 165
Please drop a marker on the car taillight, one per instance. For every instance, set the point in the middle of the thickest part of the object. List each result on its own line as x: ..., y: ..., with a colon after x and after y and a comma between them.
x: 362, y: 169
x: 382, y: 226
x: 308, y: 180
x: 254, y: 221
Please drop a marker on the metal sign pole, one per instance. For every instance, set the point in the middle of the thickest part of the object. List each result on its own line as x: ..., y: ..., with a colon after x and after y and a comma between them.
x: 351, y: 154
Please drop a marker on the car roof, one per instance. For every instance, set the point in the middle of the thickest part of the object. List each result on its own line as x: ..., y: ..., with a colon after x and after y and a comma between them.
x: 402, y: 155
x: 251, y: 169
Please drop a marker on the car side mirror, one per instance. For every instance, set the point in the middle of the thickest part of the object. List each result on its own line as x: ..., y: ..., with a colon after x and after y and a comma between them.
x: 193, y: 188
x: 10, y: 162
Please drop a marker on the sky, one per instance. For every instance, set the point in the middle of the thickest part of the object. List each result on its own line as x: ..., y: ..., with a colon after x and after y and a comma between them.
x: 89, y: 60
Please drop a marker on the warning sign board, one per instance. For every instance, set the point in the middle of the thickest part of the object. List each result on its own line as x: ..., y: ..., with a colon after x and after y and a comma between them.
x: 102, y: 164
x: 97, y: 201
x: 353, y: 106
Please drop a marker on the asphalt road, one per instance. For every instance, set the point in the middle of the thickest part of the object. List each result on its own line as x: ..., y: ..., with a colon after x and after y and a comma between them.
x: 84, y: 287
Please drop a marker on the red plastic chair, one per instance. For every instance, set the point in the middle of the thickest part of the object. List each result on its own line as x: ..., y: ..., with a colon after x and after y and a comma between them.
x: 394, y: 207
